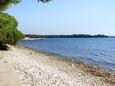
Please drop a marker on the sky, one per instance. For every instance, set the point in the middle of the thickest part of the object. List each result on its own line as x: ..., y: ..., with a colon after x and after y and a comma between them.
x: 65, y: 17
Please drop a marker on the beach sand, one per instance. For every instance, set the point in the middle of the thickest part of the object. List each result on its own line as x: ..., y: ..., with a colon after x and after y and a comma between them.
x: 39, y: 69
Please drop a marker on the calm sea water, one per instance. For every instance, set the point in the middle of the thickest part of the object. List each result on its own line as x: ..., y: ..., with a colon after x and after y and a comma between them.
x: 97, y: 51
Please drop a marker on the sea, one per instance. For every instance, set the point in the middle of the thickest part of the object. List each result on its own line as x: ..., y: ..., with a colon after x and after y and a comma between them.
x: 96, y: 51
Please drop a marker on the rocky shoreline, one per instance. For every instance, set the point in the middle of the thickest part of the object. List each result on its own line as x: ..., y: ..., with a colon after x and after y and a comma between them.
x: 38, y: 69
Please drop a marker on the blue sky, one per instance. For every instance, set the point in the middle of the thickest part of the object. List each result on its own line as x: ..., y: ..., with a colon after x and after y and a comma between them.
x: 66, y: 17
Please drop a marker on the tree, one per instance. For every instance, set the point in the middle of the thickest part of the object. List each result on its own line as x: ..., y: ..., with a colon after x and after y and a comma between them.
x: 9, y: 34
x: 44, y: 1
x: 8, y: 30
x: 4, y: 4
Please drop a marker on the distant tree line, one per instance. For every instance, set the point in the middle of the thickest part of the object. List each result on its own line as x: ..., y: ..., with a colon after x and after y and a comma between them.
x: 67, y: 36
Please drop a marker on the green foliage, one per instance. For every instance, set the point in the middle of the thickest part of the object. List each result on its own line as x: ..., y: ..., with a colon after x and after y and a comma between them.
x: 8, y: 30
x: 8, y: 24
x: 7, y: 21
x: 44, y: 1
x: 4, y: 4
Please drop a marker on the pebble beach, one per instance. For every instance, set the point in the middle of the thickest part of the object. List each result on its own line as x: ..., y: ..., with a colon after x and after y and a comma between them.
x: 39, y: 69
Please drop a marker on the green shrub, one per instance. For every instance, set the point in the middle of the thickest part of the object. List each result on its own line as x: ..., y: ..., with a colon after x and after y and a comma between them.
x: 8, y: 24
x: 7, y: 21
x: 8, y: 30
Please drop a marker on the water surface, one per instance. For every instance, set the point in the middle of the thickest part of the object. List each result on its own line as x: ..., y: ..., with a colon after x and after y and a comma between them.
x: 97, y: 51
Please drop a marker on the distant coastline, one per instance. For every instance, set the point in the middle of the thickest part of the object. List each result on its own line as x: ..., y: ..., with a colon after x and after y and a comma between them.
x: 32, y: 38
x: 67, y: 36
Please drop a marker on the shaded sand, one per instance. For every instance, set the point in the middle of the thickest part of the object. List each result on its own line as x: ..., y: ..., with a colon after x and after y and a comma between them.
x: 38, y: 69
x: 8, y: 76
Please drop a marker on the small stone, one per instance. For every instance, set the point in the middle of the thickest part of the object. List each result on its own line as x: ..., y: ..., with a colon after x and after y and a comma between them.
x: 5, y: 62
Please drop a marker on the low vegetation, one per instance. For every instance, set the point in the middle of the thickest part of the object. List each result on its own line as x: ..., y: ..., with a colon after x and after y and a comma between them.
x: 67, y: 36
